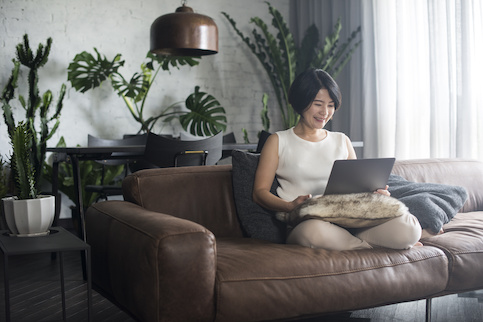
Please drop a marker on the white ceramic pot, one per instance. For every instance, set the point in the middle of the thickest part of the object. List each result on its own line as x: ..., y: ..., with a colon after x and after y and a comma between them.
x: 30, y: 217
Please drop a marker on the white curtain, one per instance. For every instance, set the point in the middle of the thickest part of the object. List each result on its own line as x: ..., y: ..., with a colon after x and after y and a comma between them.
x: 419, y: 77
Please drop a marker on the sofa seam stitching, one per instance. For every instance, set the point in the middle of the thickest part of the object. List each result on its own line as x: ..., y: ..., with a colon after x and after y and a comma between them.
x: 336, y: 273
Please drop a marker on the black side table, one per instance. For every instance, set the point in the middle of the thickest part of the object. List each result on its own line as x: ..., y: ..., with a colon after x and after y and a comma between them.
x: 58, y: 241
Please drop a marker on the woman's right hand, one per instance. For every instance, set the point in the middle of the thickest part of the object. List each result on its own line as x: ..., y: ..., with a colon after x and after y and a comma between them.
x: 299, y: 200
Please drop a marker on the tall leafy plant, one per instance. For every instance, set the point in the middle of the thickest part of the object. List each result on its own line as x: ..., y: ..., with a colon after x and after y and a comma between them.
x: 283, y: 60
x: 23, y: 170
x: 37, y: 107
x: 205, y: 116
x: 4, y: 182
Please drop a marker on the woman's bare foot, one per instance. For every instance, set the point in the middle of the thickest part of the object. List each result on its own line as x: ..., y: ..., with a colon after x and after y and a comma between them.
x: 428, y: 233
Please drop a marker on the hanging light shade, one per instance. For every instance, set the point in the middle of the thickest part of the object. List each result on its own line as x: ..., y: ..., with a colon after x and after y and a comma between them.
x: 184, y: 33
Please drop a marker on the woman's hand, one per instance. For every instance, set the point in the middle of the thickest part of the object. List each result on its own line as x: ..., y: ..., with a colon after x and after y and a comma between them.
x: 384, y: 191
x: 297, y: 201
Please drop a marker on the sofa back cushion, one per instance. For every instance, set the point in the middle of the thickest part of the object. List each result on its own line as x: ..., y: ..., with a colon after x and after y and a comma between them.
x: 457, y: 172
x: 203, y: 194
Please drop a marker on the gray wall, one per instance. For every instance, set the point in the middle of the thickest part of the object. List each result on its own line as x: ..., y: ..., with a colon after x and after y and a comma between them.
x: 233, y: 76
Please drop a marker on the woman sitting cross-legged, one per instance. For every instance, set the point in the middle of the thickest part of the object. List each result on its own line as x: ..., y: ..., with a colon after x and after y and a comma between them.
x: 301, y: 158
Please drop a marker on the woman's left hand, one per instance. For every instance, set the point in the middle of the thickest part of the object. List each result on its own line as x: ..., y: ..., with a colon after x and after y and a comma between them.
x: 384, y: 191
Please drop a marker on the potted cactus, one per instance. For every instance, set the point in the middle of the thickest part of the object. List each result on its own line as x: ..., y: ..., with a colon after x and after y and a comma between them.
x: 28, y: 213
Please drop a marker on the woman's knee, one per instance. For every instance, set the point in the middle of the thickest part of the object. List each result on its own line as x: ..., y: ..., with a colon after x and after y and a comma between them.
x: 399, y: 233
x: 406, y: 231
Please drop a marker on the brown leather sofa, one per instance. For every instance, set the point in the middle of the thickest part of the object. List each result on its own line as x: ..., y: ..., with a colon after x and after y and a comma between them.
x: 175, y: 251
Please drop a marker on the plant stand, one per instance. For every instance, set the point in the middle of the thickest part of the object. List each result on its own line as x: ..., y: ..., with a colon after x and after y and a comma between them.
x: 58, y: 241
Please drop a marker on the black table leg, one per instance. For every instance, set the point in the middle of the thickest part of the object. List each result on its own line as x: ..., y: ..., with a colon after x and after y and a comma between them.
x: 62, y: 285
x: 79, y: 203
x: 80, y: 208
x: 6, y: 280
x: 89, y: 285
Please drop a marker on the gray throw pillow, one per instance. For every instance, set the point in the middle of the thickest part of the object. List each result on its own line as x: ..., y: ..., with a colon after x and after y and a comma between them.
x: 256, y: 221
x: 434, y: 204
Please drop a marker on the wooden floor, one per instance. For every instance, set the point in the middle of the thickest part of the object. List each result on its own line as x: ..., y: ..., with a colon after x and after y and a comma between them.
x: 35, y: 296
x: 35, y: 291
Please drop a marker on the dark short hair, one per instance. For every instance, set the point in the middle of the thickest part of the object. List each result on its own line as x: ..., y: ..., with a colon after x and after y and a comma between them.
x: 306, y: 85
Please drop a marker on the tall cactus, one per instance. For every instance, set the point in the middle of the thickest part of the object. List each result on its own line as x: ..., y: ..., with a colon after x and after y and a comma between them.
x: 24, y: 173
x: 35, y: 105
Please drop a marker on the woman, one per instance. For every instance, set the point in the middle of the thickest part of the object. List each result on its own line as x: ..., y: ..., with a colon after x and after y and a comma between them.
x: 302, y: 158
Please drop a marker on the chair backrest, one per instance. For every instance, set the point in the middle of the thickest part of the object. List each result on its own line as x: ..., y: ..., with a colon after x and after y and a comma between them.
x: 134, y: 140
x: 228, y: 138
x: 262, y: 139
x: 165, y: 152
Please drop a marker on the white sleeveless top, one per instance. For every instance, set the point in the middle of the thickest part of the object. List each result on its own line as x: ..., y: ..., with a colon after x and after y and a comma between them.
x: 303, y: 166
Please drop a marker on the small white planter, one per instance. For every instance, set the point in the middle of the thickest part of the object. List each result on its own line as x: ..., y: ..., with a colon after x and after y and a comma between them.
x: 30, y: 217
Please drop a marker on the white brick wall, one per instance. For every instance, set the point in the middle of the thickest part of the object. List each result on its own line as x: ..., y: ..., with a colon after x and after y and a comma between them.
x: 233, y: 76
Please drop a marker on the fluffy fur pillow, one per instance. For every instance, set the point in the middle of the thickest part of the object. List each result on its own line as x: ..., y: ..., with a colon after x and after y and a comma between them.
x: 358, y: 210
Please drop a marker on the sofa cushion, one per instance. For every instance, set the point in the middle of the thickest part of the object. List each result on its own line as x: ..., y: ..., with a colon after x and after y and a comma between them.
x: 462, y: 242
x: 355, y: 210
x: 433, y: 204
x: 260, y: 281
x: 257, y: 222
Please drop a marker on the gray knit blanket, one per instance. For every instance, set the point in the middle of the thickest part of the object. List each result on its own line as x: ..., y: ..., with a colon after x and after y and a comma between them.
x: 433, y: 204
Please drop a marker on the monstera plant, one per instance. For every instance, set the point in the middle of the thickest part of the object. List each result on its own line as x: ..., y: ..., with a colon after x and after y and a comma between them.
x: 205, y: 116
x: 283, y: 60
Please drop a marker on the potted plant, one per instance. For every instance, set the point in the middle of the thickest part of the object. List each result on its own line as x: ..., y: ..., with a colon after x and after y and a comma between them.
x: 38, y: 108
x: 283, y: 60
x: 4, y: 189
x: 205, y: 116
x: 28, y: 213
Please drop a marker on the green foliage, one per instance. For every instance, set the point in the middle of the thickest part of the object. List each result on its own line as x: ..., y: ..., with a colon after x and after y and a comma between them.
x: 283, y: 60
x: 3, y: 177
x: 264, y: 113
x: 23, y: 171
x: 35, y: 105
x: 206, y: 116
x: 245, y: 135
x: 91, y: 174
x: 87, y: 72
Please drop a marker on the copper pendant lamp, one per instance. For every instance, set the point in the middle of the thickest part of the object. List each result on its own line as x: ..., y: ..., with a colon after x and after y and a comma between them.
x: 184, y: 33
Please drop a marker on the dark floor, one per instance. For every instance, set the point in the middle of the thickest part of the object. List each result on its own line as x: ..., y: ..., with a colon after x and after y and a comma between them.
x: 35, y: 291
x: 35, y: 296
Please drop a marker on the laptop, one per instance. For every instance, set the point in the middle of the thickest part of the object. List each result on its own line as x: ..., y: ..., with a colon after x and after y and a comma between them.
x: 359, y: 175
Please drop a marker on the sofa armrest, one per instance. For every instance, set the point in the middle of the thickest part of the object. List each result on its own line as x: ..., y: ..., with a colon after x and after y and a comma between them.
x: 157, y: 266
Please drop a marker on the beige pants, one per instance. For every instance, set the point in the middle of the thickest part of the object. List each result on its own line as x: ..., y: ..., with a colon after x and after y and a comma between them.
x: 399, y: 233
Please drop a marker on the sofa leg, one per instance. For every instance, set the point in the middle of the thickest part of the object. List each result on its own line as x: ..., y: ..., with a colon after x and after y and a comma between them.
x: 428, y: 309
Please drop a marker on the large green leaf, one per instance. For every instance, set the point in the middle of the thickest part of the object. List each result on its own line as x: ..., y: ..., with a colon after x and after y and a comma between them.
x: 206, y: 116
x: 135, y: 88
x: 87, y: 72
x: 308, y: 49
x: 175, y: 61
